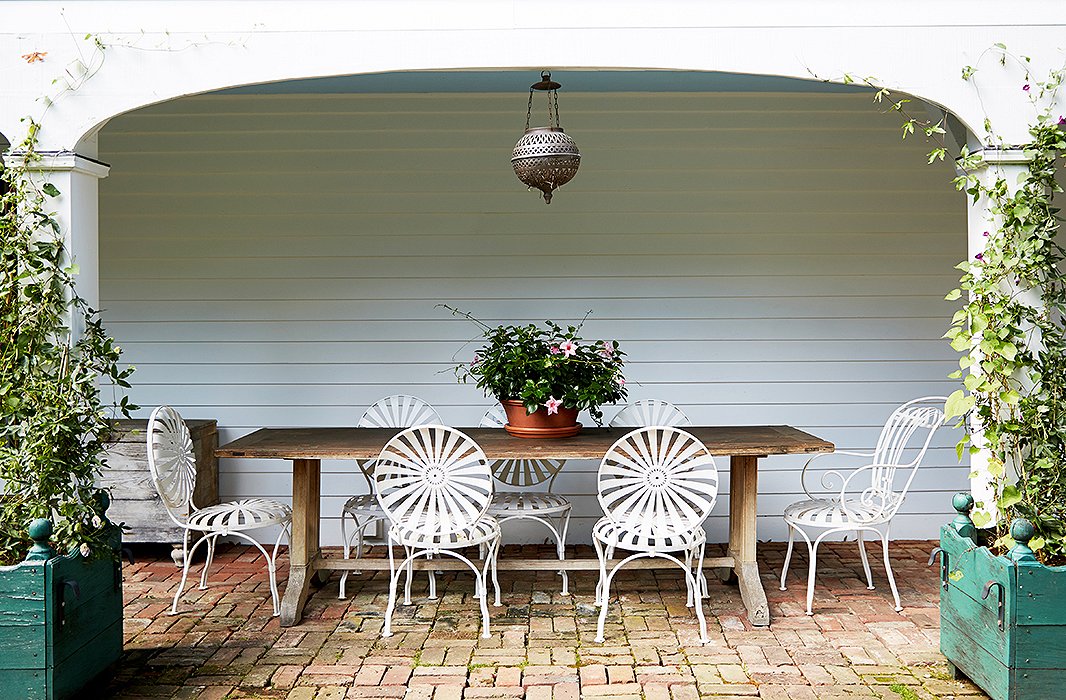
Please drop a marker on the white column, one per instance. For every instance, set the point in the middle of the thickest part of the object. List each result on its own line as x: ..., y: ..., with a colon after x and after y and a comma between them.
x: 77, y: 209
x: 1009, y: 164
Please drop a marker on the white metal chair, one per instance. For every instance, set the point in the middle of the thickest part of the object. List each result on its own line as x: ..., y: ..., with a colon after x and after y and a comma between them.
x: 435, y: 486
x: 656, y: 486
x: 648, y: 412
x: 173, y: 468
x: 523, y: 501
x: 901, y: 446
x: 396, y: 411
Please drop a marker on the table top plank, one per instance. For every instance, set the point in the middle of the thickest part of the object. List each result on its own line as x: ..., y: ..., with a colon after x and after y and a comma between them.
x: 591, y: 443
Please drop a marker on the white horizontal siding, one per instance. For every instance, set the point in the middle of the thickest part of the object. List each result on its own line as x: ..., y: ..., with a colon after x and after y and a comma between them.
x: 763, y: 258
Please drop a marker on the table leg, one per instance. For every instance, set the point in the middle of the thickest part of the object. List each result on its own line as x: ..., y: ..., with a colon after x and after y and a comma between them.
x: 305, y: 544
x: 743, y: 493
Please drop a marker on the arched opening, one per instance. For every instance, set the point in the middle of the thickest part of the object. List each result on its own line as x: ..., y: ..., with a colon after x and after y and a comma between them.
x: 767, y: 250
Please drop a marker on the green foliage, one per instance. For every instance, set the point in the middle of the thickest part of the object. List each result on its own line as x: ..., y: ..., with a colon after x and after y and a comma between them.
x: 536, y: 365
x: 1010, y: 329
x: 53, y: 419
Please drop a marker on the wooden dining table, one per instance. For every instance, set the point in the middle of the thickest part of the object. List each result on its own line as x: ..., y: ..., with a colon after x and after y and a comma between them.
x: 307, y: 447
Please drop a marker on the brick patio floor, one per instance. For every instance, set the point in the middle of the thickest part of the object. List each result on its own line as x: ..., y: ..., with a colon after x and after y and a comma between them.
x: 225, y: 644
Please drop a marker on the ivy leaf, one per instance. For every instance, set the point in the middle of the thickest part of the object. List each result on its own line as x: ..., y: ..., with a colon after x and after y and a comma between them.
x: 1011, y: 496
x: 953, y: 295
x: 958, y: 404
x: 980, y: 518
x: 956, y: 575
x: 50, y: 189
x: 1037, y: 543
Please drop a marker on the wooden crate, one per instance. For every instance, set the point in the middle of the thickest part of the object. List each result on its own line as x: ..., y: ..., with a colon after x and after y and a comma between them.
x: 61, y: 625
x: 134, y: 500
x: 1026, y: 657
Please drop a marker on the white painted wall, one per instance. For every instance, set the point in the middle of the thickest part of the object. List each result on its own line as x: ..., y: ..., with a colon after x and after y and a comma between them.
x: 763, y: 258
x: 155, y: 51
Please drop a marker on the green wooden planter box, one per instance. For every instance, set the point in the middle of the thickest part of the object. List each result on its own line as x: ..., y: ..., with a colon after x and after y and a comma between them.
x: 1002, y: 619
x: 60, y: 623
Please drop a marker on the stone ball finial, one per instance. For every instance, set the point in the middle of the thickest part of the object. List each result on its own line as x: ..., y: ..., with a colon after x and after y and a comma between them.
x: 40, y: 531
x: 962, y: 525
x: 1021, y: 530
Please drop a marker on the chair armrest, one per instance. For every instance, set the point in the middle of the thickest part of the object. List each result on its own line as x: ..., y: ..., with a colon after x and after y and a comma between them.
x: 872, y: 497
x: 830, y: 474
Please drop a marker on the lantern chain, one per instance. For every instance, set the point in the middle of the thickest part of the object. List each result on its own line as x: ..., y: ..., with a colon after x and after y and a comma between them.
x: 529, y: 108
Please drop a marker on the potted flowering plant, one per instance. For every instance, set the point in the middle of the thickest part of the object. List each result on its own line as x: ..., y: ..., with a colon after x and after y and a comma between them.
x: 544, y: 375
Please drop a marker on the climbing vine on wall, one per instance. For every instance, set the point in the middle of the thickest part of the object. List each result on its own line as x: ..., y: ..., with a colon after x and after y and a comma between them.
x: 1010, y: 330
x: 53, y: 416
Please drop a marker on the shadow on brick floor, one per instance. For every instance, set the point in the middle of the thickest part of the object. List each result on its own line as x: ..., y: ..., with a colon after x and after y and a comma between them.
x: 225, y: 644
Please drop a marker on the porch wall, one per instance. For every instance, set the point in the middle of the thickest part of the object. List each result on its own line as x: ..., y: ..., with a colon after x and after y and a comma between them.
x: 763, y: 258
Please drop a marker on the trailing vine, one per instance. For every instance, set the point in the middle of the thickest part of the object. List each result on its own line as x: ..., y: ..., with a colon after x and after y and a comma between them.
x: 53, y: 418
x: 1010, y: 329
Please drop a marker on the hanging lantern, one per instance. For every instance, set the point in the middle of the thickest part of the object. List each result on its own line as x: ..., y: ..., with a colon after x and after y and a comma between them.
x: 545, y: 157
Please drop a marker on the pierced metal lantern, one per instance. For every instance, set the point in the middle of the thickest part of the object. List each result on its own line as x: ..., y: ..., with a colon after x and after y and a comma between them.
x: 545, y: 157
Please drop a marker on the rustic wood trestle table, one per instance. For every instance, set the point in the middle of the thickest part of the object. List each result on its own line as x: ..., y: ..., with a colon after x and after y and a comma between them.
x: 307, y: 447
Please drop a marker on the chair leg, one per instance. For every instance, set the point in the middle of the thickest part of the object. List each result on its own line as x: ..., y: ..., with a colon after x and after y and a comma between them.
x: 812, y: 567
x: 698, y: 602
x: 394, y: 580
x: 432, y: 581
x: 689, y: 596
x: 184, y: 572
x: 481, y: 582
x: 360, y: 538
x: 347, y: 553
x: 495, y: 553
x: 605, y: 595
x: 207, y: 562
x: 272, y: 569
x: 888, y: 570
x: 560, y: 546
x: 410, y: 573
x: 788, y: 555
x: 603, y: 570
x: 865, y: 560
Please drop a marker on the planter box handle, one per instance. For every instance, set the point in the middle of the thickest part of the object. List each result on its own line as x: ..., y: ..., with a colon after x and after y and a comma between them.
x: 999, y: 599
x: 943, y: 565
x: 75, y: 588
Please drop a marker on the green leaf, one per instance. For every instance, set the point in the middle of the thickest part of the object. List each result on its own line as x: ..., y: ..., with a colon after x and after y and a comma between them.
x: 953, y: 294
x: 1011, y: 496
x: 956, y: 575
x: 958, y: 404
x: 980, y: 518
x: 50, y: 189
x: 1037, y: 543
x: 1008, y: 351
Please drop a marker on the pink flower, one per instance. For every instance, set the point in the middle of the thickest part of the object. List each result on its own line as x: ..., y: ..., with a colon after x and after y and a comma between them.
x: 985, y: 234
x: 1062, y: 121
x: 552, y: 404
x: 620, y: 381
x: 1025, y: 87
x: 979, y: 256
x: 607, y: 349
x: 555, y: 350
x: 569, y: 348
x: 476, y: 360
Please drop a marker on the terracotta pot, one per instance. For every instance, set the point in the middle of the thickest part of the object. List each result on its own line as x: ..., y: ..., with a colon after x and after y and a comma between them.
x: 540, y: 424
